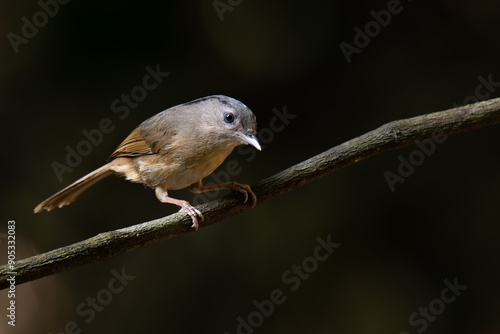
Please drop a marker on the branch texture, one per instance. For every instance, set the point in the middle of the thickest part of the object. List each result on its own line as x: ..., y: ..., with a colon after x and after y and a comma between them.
x: 390, y: 136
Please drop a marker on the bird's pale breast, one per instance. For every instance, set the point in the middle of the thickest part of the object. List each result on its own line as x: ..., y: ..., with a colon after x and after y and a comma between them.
x: 171, y: 173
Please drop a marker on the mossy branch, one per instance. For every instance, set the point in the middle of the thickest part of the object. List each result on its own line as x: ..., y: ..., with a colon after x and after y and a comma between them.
x: 391, y: 136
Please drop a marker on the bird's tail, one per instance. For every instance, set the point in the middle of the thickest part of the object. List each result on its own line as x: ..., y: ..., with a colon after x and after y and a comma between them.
x: 69, y: 194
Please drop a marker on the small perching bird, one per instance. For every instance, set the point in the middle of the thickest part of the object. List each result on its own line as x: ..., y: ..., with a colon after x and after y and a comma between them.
x: 175, y: 149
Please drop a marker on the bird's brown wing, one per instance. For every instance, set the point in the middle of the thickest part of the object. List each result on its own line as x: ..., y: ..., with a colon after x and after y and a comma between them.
x: 156, y: 135
x: 134, y: 145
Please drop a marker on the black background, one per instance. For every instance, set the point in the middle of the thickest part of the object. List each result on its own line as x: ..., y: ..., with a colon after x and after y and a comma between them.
x: 396, y: 247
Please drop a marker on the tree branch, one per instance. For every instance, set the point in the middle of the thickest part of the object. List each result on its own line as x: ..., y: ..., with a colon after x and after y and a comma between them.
x: 391, y: 136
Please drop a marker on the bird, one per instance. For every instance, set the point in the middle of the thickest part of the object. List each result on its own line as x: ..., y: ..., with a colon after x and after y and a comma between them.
x: 176, y: 149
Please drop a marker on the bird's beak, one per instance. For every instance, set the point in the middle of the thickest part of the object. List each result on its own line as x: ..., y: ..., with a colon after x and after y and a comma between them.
x: 250, y: 139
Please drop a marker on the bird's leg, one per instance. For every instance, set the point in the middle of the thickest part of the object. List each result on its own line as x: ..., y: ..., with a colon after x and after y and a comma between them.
x: 241, y: 188
x: 194, y: 213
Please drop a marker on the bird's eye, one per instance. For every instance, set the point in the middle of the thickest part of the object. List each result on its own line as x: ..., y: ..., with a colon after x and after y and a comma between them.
x: 228, y: 117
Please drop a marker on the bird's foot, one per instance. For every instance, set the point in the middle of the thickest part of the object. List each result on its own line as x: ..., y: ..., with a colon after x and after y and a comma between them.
x: 245, y: 190
x: 193, y: 213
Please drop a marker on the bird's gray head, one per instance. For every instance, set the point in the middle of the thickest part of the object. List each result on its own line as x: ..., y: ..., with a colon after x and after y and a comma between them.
x: 232, y: 122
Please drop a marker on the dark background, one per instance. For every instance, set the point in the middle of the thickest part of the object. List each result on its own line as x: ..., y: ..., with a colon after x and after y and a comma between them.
x: 396, y: 247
